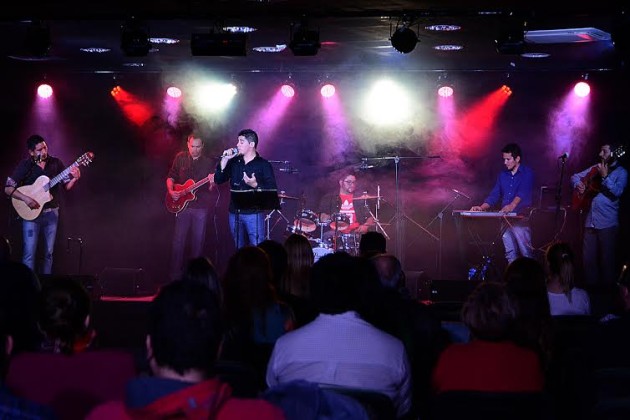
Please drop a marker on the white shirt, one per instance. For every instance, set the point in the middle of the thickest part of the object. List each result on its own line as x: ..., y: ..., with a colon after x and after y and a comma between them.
x: 580, y: 303
x: 344, y: 350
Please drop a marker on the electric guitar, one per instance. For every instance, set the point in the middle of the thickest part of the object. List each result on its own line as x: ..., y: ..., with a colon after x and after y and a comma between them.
x: 593, y: 185
x: 187, y: 194
x: 40, y: 189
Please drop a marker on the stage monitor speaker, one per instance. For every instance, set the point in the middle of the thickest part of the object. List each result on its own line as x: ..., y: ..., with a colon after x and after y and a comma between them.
x: 418, y: 285
x: 124, y: 282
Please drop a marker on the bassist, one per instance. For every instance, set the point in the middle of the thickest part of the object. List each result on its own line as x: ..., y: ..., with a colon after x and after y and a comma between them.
x: 26, y: 173
x: 190, y: 165
x: 601, y: 185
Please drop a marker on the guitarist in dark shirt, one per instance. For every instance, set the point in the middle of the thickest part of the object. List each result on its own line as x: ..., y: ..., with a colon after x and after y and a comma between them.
x: 26, y: 173
x: 597, y: 190
x: 192, y: 207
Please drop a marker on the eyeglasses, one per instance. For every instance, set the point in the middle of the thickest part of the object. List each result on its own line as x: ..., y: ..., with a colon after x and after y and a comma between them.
x: 350, y: 182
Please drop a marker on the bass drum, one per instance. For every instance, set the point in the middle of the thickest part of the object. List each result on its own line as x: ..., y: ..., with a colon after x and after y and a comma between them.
x: 320, y: 251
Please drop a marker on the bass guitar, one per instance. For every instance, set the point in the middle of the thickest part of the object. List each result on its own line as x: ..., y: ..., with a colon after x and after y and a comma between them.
x: 40, y: 189
x: 187, y: 194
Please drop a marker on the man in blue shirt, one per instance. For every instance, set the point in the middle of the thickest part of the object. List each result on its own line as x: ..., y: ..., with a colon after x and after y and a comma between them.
x: 253, y: 188
x: 602, y: 183
x: 513, y: 190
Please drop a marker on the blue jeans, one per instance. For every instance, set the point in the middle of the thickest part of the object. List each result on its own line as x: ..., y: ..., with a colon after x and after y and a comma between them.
x: 250, y: 225
x: 599, y: 255
x: 46, y: 223
x: 191, y: 220
x: 517, y: 241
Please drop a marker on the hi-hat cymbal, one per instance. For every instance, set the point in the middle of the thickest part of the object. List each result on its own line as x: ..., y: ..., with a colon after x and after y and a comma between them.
x: 287, y: 197
x: 367, y: 197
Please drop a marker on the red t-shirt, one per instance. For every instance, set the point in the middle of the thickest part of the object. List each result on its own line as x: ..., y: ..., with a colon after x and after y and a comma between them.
x: 488, y: 366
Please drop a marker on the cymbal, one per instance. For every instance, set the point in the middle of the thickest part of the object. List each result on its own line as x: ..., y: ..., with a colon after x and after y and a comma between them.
x: 367, y: 197
x: 287, y: 197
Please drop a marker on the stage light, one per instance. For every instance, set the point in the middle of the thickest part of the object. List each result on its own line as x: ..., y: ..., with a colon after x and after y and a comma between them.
x: 445, y: 91
x: 327, y: 90
x: 445, y: 87
x: 287, y: 90
x: 404, y: 40
x: 582, y: 89
x: 506, y: 90
x: 44, y: 91
x: 134, y: 39
x: 304, y: 41
x: 115, y: 91
x: 37, y: 41
x: 174, y: 92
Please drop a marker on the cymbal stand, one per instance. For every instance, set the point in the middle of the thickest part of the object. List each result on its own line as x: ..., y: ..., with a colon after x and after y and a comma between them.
x: 375, y: 215
x: 400, y: 215
x: 268, y: 219
x: 440, y: 217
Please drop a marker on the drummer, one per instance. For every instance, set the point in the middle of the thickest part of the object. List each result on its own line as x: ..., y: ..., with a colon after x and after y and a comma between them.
x: 343, y: 211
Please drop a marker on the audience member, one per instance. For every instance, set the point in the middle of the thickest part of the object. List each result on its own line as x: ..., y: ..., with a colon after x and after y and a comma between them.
x: 411, y: 322
x: 339, y: 348
x: 564, y: 297
x: 184, y: 334
x: 491, y: 361
x: 11, y: 406
x: 63, y: 374
x: 372, y: 243
x: 254, y: 315
x: 295, y: 283
x: 201, y: 270
x: 525, y: 280
x: 19, y: 298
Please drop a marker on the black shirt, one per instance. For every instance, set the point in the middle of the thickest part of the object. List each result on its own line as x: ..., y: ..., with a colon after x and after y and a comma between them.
x: 184, y: 167
x: 27, y: 172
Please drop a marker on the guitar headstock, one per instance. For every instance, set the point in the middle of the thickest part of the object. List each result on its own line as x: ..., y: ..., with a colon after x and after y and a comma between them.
x: 85, y: 159
x: 619, y: 151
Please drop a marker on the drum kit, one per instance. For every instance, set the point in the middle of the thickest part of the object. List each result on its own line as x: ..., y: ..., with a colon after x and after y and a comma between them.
x: 325, y: 241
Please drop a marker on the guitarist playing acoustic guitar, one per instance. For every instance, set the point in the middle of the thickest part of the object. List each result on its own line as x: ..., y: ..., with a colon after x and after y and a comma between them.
x: 189, y: 171
x: 39, y: 165
x: 597, y: 190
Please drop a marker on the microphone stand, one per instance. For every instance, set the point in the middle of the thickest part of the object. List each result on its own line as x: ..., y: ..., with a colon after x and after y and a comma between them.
x: 440, y: 216
x: 563, y: 161
x: 400, y: 215
x: 268, y: 218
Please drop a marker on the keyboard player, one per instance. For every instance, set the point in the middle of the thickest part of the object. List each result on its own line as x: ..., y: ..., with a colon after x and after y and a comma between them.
x: 513, y: 191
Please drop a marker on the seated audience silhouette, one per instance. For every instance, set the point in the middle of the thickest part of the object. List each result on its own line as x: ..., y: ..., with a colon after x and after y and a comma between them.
x: 184, y: 334
x: 564, y: 297
x: 339, y: 348
x: 491, y: 361
x: 67, y: 373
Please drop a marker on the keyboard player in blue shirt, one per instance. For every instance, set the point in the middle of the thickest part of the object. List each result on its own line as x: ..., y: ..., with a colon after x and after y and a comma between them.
x: 513, y: 191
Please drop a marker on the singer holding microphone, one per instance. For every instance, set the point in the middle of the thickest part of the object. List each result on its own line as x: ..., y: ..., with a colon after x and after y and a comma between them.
x: 253, y: 188
x: 513, y: 191
x: 26, y: 173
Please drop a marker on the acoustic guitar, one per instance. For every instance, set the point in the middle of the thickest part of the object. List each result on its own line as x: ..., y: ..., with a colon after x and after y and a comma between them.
x: 40, y: 189
x: 187, y: 194
x: 593, y: 185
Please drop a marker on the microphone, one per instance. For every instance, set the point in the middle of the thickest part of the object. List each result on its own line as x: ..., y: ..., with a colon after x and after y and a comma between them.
x: 229, y: 152
x: 565, y: 155
x: 460, y: 193
x: 37, y: 158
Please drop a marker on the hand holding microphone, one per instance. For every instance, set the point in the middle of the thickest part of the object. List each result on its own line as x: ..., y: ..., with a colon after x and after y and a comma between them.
x: 229, y: 153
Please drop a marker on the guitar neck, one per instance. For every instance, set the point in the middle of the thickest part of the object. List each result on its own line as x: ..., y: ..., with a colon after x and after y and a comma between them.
x: 197, y: 184
x: 63, y: 174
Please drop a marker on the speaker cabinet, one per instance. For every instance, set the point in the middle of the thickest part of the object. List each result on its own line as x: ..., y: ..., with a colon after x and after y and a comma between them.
x: 124, y: 282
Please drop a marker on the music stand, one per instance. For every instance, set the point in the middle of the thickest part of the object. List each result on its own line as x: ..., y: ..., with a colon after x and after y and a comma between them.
x: 399, y: 214
x: 253, y: 201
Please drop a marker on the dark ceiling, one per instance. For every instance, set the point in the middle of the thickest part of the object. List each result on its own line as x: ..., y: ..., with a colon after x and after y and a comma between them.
x: 354, y: 35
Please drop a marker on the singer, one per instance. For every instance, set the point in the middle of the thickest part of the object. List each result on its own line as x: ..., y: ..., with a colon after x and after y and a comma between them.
x: 194, y: 166
x: 39, y: 163
x: 513, y: 190
x: 253, y: 189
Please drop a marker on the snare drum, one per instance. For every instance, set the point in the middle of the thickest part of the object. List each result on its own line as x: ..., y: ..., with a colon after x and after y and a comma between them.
x: 306, y: 221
